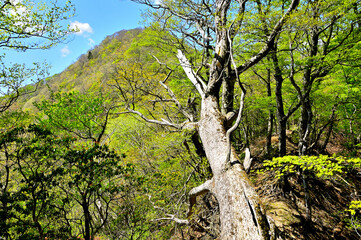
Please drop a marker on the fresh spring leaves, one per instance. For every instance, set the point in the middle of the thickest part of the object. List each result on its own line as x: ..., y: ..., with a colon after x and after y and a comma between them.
x: 322, y: 166
x: 47, y: 179
x: 82, y: 115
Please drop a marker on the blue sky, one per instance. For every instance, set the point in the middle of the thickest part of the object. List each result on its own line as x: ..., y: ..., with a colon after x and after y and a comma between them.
x: 95, y: 19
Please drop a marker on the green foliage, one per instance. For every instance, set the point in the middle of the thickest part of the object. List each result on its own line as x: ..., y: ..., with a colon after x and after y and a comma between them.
x: 94, y: 72
x: 322, y: 166
x: 82, y: 115
x: 28, y: 180
x: 23, y: 23
x: 354, y: 206
x: 13, y: 79
x: 28, y: 25
x: 93, y: 188
x: 167, y: 169
x: 50, y: 184
x: 355, y: 218
x: 95, y: 180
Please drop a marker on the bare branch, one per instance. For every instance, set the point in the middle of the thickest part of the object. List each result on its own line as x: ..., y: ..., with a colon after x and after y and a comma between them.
x: 203, y: 33
x: 238, y: 23
x: 177, y: 103
x: 195, y: 192
x: 187, y: 67
x: 241, y: 105
x: 171, y: 217
x: 292, y: 73
x: 163, y: 122
x: 171, y: 93
x: 235, y: 126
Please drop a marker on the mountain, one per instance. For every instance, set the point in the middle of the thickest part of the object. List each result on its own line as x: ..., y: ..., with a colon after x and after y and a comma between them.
x: 89, y: 70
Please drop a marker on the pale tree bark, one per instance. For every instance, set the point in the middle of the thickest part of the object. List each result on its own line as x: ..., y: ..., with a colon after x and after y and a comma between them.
x: 240, y: 210
x: 241, y: 213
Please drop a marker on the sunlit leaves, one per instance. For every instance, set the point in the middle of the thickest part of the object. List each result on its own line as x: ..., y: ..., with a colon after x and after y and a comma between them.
x: 355, y: 219
x: 30, y: 156
x: 322, y: 166
x: 84, y: 115
x: 28, y: 25
x: 48, y: 177
x: 17, y: 80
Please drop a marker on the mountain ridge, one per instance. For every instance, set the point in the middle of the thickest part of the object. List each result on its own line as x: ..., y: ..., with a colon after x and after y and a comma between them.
x: 89, y: 70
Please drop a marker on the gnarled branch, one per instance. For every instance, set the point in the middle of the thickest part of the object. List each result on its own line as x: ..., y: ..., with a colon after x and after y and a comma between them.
x: 197, y: 191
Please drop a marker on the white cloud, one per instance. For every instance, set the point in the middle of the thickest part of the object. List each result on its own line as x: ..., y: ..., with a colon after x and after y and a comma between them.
x: 91, y: 42
x: 81, y: 28
x: 14, y: 2
x: 19, y: 10
x: 65, y: 51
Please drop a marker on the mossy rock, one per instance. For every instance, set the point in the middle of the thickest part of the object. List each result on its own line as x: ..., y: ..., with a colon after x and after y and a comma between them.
x: 282, y: 214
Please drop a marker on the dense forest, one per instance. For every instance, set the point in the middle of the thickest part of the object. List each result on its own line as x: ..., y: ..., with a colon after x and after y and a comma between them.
x: 219, y: 119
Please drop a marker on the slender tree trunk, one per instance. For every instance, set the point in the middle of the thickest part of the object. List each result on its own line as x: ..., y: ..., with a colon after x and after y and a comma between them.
x: 86, y: 219
x: 326, y: 128
x: 4, y: 201
x: 270, y: 117
x: 282, y: 137
x: 240, y: 211
x: 4, y: 196
x: 307, y: 199
x: 281, y: 117
x: 34, y: 216
x: 306, y: 107
x: 327, y: 139
x: 269, y: 134
x: 305, y: 126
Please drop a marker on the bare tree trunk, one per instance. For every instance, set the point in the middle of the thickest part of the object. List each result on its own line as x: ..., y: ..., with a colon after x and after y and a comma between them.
x: 240, y: 211
x: 241, y: 215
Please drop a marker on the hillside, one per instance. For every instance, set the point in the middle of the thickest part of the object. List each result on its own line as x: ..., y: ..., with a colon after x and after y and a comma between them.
x: 162, y: 162
x: 90, y: 70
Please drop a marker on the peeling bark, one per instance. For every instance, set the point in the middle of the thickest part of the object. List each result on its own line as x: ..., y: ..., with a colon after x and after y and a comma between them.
x: 240, y: 210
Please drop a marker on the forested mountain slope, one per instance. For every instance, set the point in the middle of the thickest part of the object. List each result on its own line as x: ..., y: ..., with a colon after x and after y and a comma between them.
x: 90, y: 69
x: 96, y: 170
x: 113, y: 136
